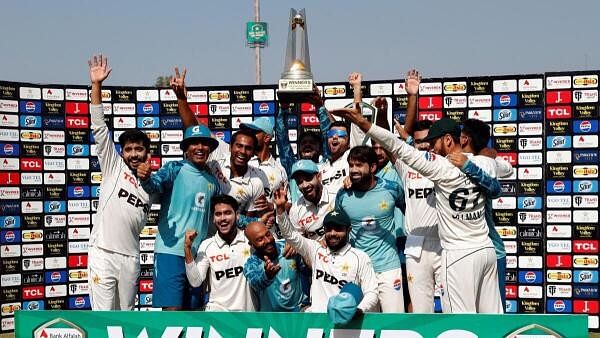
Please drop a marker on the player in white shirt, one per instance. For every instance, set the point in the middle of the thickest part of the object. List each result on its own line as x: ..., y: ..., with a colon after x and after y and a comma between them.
x: 229, y: 162
x: 307, y: 213
x: 113, y: 256
x: 221, y: 259
x: 333, y: 266
x: 461, y: 213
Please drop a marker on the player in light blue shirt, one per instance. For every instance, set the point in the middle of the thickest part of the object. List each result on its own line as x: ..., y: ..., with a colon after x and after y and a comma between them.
x: 275, y: 278
x: 370, y: 204
x: 186, y: 188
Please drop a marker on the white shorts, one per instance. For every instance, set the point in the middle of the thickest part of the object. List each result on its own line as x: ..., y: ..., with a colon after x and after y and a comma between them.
x: 423, y: 274
x: 113, y: 279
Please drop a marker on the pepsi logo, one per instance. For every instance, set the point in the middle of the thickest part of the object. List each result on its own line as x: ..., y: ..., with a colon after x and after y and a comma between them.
x: 8, y: 149
x: 585, y: 126
x: 397, y: 284
x: 29, y: 107
x: 78, y: 191
x: 559, y: 186
x: 79, y: 302
x: 559, y: 306
x: 9, y: 236
x: 55, y: 276
x: 147, y: 108
x: 504, y: 100
x: 530, y: 276
x: 263, y: 108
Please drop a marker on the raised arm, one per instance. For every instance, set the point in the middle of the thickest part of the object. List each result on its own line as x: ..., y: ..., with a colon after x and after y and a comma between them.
x: 411, y: 83
x: 160, y: 180
x: 282, y: 138
x: 178, y: 86
x: 195, y: 269
x: 107, y: 154
x: 307, y: 248
x: 431, y: 166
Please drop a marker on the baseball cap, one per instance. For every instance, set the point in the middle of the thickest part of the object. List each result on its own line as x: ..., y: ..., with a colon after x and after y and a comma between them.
x: 442, y: 127
x: 264, y: 124
x: 342, y: 307
x: 305, y: 166
x: 197, y: 133
x: 336, y: 217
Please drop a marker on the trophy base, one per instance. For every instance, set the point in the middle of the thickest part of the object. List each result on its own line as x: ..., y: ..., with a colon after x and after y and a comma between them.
x: 296, y: 86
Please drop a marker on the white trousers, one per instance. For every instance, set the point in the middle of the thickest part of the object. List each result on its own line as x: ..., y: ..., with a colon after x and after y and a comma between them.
x: 423, y: 274
x: 113, y: 279
x: 470, y: 281
x: 389, y: 289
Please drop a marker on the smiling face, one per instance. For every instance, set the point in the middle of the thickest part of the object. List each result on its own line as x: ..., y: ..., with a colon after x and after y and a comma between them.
x: 382, y: 158
x: 309, y: 148
x: 336, y: 236
x: 224, y: 218
x: 197, y: 152
x: 242, y: 150
x: 261, y: 239
x: 134, y: 154
x: 361, y: 173
x: 419, y: 143
x: 310, y: 185
x: 337, y: 140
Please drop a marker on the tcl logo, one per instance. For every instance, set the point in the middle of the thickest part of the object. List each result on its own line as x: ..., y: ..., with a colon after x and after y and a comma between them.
x: 430, y: 102
x: 558, y: 97
x: 430, y: 115
x: 585, y: 246
x: 146, y: 285
x: 33, y: 164
x: 510, y: 291
x: 78, y: 108
x: 558, y: 112
x: 33, y: 292
x: 80, y: 122
x: 309, y: 120
x: 509, y: 157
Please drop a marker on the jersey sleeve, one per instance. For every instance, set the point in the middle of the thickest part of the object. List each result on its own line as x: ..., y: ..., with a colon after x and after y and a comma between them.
x: 254, y: 271
x: 307, y: 248
x: 259, y: 188
x: 107, y: 154
x: 196, y: 271
x: 325, y: 125
x: 368, y: 285
x: 429, y: 165
x: 286, y: 154
x: 221, y: 151
x: 163, y: 178
x: 489, y: 185
x: 503, y: 168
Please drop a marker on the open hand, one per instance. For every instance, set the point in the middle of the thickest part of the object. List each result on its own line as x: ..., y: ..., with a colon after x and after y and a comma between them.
x: 412, y: 81
x: 99, y: 69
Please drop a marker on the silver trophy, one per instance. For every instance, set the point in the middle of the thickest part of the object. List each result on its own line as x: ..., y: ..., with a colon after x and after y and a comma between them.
x: 296, y: 77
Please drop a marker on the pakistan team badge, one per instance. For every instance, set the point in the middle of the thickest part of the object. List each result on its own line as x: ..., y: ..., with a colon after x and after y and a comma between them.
x: 533, y: 331
x: 59, y: 328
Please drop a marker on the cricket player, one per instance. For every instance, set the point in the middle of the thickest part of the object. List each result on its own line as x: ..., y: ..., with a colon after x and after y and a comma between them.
x: 186, y: 188
x: 370, y: 204
x: 221, y: 259
x: 467, y: 250
x: 275, y: 278
x: 114, y: 249
x: 334, y: 265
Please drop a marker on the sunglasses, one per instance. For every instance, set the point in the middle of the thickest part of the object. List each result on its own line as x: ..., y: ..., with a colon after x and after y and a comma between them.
x: 333, y: 132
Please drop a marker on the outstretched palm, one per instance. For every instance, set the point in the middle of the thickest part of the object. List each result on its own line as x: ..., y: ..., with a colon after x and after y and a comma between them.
x: 413, y: 79
x: 99, y: 69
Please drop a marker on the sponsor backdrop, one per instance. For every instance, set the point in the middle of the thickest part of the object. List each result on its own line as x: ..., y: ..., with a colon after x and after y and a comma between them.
x: 546, y: 125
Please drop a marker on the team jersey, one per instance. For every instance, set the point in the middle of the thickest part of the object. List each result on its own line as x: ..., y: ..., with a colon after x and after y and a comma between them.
x: 420, y: 218
x: 123, y: 206
x: 284, y: 147
x: 245, y: 189
x: 332, y: 269
x: 284, y: 291
x: 307, y: 218
x: 223, y: 264
x: 185, y: 197
x: 333, y: 173
x: 273, y: 171
x: 388, y: 172
x: 371, y: 215
x: 459, y: 202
